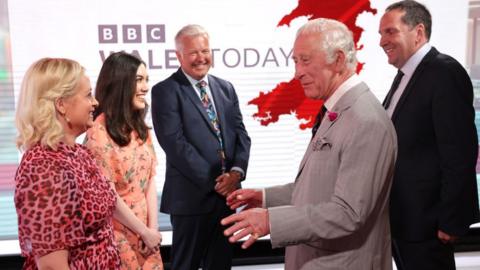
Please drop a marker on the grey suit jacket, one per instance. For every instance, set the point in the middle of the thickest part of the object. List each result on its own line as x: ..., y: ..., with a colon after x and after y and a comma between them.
x: 335, y: 214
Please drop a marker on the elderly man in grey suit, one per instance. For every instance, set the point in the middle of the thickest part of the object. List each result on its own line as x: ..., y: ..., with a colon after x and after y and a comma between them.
x: 335, y: 214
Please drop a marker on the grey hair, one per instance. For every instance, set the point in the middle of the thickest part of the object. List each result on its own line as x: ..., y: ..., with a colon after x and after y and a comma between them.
x: 190, y: 30
x: 336, y: 36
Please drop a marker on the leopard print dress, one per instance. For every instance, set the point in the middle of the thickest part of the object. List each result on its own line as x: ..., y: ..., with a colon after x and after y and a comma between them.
x: 64, y: 203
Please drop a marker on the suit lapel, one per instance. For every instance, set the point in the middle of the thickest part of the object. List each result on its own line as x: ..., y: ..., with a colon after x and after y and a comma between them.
x: 343, y: 104
x: 189, y: 91
x: 411, y: 83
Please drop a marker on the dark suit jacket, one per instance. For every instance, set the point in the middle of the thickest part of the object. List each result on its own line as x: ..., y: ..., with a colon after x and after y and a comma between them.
x: 434, y: 186
x: 191, y: 146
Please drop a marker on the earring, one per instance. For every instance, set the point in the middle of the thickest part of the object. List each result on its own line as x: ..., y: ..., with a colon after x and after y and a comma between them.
x: 67, y: 119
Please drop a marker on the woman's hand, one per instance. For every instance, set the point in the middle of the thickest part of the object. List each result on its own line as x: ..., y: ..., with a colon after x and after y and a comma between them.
x: 151, y: 237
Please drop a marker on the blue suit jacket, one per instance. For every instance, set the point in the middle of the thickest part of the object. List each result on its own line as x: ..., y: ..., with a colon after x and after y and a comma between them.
x: 191, y: 146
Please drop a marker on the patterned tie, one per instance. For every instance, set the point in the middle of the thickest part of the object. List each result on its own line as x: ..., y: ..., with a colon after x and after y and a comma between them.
x: 395, y: 84
x: 212, y: 115
x: 318, y: 120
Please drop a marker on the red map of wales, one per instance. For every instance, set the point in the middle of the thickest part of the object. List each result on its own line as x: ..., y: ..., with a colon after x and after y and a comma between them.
x: 288, y: 97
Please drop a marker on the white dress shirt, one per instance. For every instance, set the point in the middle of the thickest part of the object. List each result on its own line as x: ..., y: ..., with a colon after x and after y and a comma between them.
x: 408, y: 69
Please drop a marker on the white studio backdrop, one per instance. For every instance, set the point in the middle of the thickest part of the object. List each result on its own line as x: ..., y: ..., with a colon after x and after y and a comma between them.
x: 249, y: 50
x: 53, y: 28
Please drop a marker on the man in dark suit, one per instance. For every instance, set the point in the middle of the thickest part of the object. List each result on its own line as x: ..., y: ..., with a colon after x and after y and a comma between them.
x: 434, y: 193
x: 198, y: 123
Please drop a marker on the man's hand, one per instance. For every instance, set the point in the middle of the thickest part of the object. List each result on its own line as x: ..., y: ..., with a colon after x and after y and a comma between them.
x: 446, y: 238
x: 227, y: 183
x: 253, y: 221
x: 250, y: 197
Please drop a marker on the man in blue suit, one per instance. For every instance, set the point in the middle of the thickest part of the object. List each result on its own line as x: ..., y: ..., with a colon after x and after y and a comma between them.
x: 198, y: 123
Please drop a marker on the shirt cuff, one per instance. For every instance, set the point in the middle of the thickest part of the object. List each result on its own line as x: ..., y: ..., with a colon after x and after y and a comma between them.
x: 264, y: 203
x: 240, y: 170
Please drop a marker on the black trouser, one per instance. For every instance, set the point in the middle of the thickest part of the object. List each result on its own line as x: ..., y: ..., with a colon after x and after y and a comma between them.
x: 198, y: 240
x: 426, y: 255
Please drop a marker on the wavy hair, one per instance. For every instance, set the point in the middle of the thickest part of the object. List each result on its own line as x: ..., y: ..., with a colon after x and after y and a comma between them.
x: 116, y: 87
x: 335, y: 36
x: 44, y: 82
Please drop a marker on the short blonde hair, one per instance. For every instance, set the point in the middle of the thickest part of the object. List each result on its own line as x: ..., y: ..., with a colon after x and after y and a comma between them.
x: 45, y: 81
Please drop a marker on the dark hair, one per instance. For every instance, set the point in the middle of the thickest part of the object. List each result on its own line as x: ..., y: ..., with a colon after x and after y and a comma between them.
x: 415, y: 14
x: 116, y: 87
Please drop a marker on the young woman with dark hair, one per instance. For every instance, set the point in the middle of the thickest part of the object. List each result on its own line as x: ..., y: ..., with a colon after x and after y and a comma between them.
x: 122, y: 145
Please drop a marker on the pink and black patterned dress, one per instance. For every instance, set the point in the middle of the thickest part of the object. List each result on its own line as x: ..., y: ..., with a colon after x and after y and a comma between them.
x: 64, y: 203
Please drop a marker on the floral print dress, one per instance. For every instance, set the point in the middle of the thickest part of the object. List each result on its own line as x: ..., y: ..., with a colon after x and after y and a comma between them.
x: 130, y: 168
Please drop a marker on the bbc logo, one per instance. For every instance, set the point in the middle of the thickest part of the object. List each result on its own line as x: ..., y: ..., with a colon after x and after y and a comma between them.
x: 131, y: 33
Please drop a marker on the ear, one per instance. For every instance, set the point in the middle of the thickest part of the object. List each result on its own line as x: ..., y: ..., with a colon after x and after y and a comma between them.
x: 60, y: 106
x: 340, y: 61
x: 420, y: 32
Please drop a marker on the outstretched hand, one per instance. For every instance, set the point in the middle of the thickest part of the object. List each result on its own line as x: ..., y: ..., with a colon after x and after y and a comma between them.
x: 253, y: 222
x: 250, y: 197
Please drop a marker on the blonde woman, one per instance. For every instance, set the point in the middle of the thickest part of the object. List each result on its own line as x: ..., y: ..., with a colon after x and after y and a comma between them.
x: 64, y: 205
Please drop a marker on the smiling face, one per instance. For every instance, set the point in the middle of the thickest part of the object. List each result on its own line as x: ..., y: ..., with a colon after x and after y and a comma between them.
x: 79, y: 107
x: 195, y: 56
x: 141, y: 89
x: 311, y: 68
x: 399, y: 40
